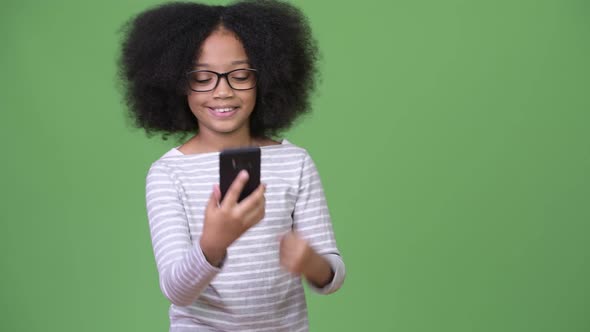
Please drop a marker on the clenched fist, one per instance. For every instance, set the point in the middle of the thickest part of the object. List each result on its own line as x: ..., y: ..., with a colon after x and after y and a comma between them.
x: 297, y: 257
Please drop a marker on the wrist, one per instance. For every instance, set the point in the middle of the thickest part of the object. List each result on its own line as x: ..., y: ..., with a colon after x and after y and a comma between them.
x: 319, y: 272
x: 214, y: 254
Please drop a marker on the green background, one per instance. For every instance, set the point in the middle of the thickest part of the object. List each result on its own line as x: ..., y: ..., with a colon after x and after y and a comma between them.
x: 452, y: 139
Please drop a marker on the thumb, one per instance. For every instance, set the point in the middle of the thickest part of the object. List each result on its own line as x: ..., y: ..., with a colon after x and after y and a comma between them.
x: 292, y: 235
x: 287, y: 238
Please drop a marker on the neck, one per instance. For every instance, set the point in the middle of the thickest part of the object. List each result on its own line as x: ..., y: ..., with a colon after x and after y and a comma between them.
x: 215, y: 142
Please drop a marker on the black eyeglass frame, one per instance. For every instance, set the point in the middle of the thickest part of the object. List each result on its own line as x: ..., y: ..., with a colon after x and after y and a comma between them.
x: 220, y: 75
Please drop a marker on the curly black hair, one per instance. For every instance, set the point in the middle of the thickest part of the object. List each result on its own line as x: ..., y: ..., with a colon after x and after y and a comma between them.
x: 160, y: 45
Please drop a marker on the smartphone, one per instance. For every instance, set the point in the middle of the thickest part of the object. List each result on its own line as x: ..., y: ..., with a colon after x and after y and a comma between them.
x: 232, y: 161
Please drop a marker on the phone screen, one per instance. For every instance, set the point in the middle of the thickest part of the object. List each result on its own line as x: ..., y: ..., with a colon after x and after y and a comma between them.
x: 232, y: 161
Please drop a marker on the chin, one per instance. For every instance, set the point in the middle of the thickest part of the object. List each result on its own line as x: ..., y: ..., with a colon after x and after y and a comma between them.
x: 225, y: 129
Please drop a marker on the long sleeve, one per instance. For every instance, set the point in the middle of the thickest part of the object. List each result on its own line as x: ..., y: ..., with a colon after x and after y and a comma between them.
x: 312, y: 221
x: 183, y: 270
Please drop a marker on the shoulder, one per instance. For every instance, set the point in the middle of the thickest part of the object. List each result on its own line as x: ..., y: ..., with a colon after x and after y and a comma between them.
x: 174, y: 152
x: 162, y: 163
x: 285, y: 152
x: 174, y: 161
x: 289, y: 156
x: 287, y: 147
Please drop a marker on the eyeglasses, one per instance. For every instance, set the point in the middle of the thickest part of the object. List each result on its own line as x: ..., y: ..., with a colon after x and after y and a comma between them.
x: 207, y: 80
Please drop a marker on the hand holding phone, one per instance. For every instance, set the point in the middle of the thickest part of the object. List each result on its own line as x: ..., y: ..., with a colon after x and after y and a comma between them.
x: 225, y: 221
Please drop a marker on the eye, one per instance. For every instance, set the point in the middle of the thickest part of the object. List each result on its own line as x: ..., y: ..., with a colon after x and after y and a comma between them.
x: 202, y: 81
x: 241, y: 76
x: 201, y: 77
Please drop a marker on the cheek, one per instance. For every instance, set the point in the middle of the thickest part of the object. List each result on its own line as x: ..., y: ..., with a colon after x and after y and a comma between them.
x: 194, y: 101
x: 250, y: 99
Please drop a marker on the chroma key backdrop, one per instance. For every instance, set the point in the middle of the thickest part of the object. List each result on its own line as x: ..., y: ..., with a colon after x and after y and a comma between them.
x: 452, y: 138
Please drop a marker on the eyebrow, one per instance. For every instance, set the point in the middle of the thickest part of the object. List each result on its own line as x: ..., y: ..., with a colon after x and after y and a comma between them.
x: 239, y: 62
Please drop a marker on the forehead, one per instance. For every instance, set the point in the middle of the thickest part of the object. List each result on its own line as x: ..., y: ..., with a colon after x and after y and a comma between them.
x: 221, y: 48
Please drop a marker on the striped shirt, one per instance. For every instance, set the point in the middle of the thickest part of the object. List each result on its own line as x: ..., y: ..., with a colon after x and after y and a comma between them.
x: 250, y: 292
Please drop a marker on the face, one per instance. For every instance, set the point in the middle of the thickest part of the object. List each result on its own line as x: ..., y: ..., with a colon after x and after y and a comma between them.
x: 222, y: 111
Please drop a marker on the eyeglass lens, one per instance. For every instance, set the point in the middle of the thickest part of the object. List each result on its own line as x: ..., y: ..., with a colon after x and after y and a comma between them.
x: 241, y: 79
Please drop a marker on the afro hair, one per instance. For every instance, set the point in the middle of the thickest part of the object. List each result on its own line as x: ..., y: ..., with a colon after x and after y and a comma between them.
x: 160, y: 45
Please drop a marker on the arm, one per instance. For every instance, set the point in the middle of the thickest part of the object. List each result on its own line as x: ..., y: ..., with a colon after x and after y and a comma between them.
x: 184, y: 271
x: 323, y: 267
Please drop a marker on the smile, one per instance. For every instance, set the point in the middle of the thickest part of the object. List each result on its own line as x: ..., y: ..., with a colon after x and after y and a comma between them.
x: 222, y: 112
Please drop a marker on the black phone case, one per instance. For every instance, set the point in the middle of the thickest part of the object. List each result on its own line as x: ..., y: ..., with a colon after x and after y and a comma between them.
x: 232, y: 161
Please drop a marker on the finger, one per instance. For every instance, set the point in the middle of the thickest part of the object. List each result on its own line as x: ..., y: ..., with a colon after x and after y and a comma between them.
x: 217, y: 193
x: 254, y: 195
x: 283, y: 254
x: 213, y: 199
x: 285, y: 246
x: 235, y: 189
x: 253, y: 200
x: 288, y: 238
x: 253, y: 216
x: 292, y: 246
x: 217, y: 190
x: 293, y: 235
x: 287, y: 262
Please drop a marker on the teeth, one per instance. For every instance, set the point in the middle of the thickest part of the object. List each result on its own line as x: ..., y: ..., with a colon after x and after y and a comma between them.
x: 223, y: 110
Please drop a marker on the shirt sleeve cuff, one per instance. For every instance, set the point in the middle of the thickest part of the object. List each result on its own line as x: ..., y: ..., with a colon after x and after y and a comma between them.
x: 202, y: 262
x: 337, y: 265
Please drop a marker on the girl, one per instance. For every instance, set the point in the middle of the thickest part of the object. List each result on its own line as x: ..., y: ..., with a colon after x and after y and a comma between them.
x: 233, y: 76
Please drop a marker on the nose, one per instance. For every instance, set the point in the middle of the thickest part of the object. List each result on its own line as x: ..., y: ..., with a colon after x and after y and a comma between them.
x: 223, y: 90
